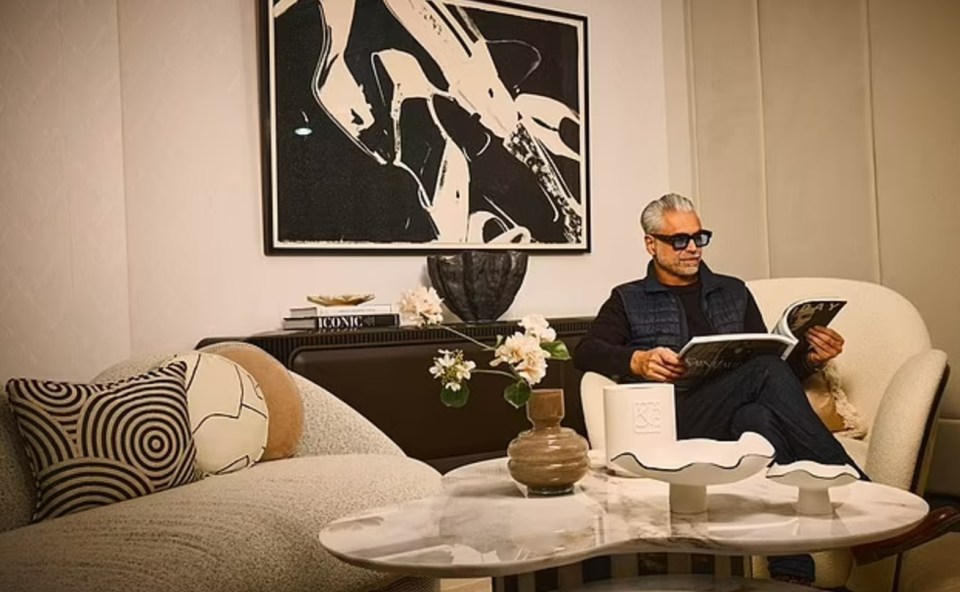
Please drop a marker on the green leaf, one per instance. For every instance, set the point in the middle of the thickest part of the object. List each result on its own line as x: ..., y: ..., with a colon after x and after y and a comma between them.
x: 456, y: 399
x: 517, y: 393
x: 557, y: 350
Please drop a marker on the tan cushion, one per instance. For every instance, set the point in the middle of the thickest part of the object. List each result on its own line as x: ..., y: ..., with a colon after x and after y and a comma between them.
x: 280, y: 392
x: 830, y: 402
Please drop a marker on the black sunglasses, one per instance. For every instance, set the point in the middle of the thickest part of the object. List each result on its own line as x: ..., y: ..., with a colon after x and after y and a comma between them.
x: 679, y: 242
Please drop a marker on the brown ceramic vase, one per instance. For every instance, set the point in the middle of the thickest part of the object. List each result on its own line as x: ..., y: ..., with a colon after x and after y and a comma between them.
x: 548, y: 459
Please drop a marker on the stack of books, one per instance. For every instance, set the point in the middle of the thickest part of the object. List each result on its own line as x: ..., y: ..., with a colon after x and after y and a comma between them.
x: 341, y: 318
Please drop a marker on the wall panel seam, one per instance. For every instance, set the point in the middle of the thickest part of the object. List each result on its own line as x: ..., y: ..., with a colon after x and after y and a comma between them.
x: 873, y: 140
x: 691, y: 100
x: 763, y: 147
x: 70, y: 324
x: 123, y: 176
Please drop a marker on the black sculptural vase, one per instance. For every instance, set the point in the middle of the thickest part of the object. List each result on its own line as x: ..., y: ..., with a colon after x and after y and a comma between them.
x: 477, y: 285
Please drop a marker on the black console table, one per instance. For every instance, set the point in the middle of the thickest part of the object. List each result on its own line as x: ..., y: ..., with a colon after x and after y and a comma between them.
x: 383, y: 374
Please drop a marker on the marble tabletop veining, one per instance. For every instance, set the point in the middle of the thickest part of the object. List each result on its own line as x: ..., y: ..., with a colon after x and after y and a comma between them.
x: 483, y: 524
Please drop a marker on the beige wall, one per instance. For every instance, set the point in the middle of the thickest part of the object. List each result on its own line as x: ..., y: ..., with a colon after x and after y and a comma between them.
x: 63, y: 258
x: 826, y: 136
x: 916, y: 99
x: 128, y: 137
x: 183, y: 186
x: 818, y: 151
x: 727, y: 135
x: 781, y: 132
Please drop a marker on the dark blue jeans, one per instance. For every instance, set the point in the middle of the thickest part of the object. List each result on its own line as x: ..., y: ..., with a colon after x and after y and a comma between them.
x: 763, y: 396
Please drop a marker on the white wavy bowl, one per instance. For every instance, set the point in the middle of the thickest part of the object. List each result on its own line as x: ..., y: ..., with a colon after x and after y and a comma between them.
x: 700, y: 461
x: 813, y: 482
x: 807, y: 474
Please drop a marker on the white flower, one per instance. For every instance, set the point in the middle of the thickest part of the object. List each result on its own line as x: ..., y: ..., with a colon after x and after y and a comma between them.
x: 537, y: 326
x: 442, y: 364
x: 463, y: 369
x: 451, y: 369
x: 534, y: 369
x: 423, y: 304
x: 522, y: 351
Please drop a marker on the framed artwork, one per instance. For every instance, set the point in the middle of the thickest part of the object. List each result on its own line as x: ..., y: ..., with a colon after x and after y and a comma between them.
x: 423, y: 125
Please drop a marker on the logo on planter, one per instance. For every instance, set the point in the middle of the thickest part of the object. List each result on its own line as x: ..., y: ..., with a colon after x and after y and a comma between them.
x: 646, y: 417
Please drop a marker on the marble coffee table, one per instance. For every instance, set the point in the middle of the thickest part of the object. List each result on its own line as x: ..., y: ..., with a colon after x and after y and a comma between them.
x: 483, y: 524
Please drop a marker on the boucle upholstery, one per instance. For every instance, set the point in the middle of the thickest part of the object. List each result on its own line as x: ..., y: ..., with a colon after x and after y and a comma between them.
x: 890, y: 374
x: 932, y: 567
x: 133, y: 366
x: 18, y: 495
x: 343, y: 429
x: 256, y: 529
x: 881, y: 327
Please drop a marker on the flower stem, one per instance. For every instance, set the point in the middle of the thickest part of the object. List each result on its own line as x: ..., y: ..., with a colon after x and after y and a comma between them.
x: 467, y: 337
x: 500, y: 372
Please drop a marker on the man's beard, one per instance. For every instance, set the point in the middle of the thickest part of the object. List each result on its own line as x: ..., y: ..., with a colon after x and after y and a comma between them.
x: 681, y: 270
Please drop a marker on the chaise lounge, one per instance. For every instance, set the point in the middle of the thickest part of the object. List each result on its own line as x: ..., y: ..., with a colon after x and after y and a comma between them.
x: 255, y: 529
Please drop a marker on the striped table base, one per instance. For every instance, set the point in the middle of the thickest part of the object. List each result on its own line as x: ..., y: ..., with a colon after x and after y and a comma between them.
x: 573, y: 577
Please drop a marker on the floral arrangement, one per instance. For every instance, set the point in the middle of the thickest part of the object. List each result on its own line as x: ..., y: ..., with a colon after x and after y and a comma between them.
x: 522, y: 357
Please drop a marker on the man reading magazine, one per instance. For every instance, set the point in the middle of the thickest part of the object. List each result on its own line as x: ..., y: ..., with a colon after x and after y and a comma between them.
x: 641, y: 327
x: 706, y: 356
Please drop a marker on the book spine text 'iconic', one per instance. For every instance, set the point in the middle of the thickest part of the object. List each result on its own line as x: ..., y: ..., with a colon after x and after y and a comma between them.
x: 353, y: 321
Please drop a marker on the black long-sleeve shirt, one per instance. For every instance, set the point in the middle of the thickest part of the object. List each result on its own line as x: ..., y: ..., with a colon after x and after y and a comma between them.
x: 604, y: 348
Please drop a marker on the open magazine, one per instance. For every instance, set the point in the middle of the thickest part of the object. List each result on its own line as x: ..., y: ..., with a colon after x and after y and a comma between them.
x: 710, y: 355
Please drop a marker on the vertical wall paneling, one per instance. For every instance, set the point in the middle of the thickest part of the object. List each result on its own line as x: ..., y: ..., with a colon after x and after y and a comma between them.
x: 916, y: 82
x: 728, y: 132
x: 63, y: 266
x: 678, y: 90
x: 818, y: 141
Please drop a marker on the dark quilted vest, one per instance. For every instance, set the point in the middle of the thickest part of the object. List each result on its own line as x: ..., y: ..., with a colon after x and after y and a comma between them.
x: 657, y: 318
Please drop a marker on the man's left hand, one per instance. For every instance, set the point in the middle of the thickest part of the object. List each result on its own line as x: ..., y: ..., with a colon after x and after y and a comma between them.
x: 825, y: 345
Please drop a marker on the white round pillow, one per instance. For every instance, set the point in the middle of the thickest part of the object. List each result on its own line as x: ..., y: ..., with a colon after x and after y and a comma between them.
x: 228, y: 414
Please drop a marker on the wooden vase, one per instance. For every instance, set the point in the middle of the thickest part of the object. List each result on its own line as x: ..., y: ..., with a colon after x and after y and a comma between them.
x: 548, y: 459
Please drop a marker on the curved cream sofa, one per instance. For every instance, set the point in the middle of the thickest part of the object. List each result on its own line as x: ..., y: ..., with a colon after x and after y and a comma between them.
x: 253, y: 530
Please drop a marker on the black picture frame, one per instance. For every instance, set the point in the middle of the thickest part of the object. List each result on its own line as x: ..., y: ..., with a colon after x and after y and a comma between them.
x: 417, y: 126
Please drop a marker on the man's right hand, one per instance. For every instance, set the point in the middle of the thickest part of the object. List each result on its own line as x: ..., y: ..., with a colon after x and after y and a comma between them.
x: 660, y: 364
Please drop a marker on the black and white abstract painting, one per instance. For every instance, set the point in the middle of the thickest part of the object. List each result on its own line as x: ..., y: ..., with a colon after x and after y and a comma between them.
x: 423, y: 125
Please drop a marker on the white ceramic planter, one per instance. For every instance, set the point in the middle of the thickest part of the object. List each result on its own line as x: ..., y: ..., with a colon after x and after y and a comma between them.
x: 637, y: 417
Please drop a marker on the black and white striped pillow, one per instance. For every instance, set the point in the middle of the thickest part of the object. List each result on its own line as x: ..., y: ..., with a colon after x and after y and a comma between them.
x: 91, y: 445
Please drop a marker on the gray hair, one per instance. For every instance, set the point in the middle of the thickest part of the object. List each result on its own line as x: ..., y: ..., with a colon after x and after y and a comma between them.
x: 651, y: 219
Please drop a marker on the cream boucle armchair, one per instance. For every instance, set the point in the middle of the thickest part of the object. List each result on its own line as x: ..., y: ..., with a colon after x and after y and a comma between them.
x: 890, y: 373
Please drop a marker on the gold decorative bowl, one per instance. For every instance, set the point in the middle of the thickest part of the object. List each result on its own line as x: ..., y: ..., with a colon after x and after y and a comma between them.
x: 340, y: 299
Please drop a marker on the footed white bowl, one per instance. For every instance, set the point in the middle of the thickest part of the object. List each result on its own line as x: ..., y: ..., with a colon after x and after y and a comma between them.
x: 813, y: 481
x: 690, y: 465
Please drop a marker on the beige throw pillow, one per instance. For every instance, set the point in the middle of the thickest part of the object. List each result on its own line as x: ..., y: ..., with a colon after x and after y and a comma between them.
x: 828, y: 399
x: 228, y: 414
x: 280, y: 392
